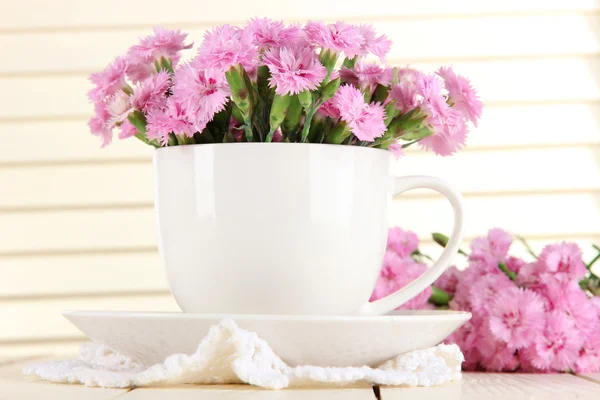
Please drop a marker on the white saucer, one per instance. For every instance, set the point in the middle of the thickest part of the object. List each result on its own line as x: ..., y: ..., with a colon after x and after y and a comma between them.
x: 299, y: 340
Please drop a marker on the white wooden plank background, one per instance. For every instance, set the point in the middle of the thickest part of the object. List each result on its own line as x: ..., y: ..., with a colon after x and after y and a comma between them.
x: 77, y: 227
x: 57, y: 52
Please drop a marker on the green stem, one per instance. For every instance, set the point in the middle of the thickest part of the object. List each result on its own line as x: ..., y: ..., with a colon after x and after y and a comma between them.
x: 439, y: 297
x: 310, y: 113
x: 405, y: 145
x: 526, y: 245
x: 588, y: 266
x: 142, y: 137
x: 306, y: 128
x: 419, y: 254
x: 248, y: 130
x: 442, y: 240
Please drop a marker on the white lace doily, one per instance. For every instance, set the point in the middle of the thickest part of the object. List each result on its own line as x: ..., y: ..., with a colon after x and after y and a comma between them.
x: 229, y: 354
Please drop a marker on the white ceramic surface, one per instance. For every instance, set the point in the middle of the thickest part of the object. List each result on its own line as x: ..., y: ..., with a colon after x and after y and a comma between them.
x: 298, y: 340
x: 282, y: 228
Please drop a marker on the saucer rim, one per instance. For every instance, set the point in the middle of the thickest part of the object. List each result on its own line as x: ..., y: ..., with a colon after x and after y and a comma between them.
x: 434, y: 315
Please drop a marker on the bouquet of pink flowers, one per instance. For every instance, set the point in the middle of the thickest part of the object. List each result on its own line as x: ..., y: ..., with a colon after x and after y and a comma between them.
x: 537, y: 316
x: 271, y: 82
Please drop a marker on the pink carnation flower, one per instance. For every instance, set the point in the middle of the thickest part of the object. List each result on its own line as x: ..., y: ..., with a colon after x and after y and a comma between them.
x: 377, y: 45
x: 462, y: 94
x: 517, y: 317
x: 575, y: 304
x: 448, y: 126
x: 468, y: 337
x: 557, y: 348
x: 163, y: 43
x: 402, y: 242
x: 448, y: 281
x: 119, y: 107
x: 139, y: 71
x: 588, y: 360
x: 496, y: 356
x: 366, y: 76
x: 528, y: 276
x: 514, y: 264
x: 485, y: 290
x: 127, y: 130
x: 468, y: 278
x: 151, y: 92
x: 338, y: 37
x: 405, y: 91
x: 366, y: 121
x: 172, y: 119
x: 328, y: 109
x: 294, y: 70
x: 595, y: 301
x: 99, y: 124
x: 396, y: 273
x: 492, y: 248
x: 268, y: 33
x: 109, y: 81
x: 226, y: 46
x: 561, y: 262
x: 396, y: 149
x: 203, y: 93
x: 443, y: 144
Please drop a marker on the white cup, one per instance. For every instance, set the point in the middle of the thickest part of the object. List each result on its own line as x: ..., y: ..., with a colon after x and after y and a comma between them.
x: 282, y: 228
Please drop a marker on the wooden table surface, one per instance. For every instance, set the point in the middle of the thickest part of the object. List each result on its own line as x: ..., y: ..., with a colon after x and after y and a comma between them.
x: 476, y: 386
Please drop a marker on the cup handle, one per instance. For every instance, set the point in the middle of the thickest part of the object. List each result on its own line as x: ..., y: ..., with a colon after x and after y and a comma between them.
x: 396, y: 299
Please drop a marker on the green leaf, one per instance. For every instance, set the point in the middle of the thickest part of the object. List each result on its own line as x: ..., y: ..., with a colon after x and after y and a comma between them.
x: 390, y: 113
x: 417, y: 134
x: 138, y: 119
x: 166, y: 64
x: 380, y: 94
x: 350, y: 62
x: 330, y: 89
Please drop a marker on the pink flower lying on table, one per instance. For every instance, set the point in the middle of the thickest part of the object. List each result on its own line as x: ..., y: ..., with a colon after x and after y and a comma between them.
x: 399, y: 269
x: 537, y: 316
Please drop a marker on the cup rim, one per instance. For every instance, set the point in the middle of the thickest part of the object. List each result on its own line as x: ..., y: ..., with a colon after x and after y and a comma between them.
x: 278, y: 144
